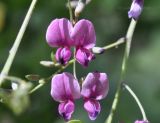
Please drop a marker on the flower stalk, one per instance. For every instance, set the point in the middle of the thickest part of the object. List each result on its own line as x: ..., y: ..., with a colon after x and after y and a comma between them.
x: 137, y: 101
x: 115, y: 44
x: 74, y: 64
x: 70, y: 11
x: 43, y: 81
x: 72, y: 20
x: 128, y: 38
x: 17, y: 42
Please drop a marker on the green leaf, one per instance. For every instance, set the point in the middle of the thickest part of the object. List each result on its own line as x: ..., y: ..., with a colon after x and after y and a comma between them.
x: 74, y: 121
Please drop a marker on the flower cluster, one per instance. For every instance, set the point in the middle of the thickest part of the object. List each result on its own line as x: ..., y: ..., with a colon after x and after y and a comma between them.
x: 62, y: 34
x: 65, y: 89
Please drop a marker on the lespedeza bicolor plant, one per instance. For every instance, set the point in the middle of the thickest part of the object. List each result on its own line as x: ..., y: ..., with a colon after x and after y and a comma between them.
x: 79, y: 35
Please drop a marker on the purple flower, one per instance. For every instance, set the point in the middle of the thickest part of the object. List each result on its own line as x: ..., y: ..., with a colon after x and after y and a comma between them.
x: 58, y: 35
x: 65, y: 89
x: 94, y: 88
x: 84, y: 39
x: 141, y: 121
x: 61, y: 33
x: 84, y: 56
x: 136, y: 9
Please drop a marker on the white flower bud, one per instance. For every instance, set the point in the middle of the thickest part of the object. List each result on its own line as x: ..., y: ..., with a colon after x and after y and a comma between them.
x: 97, y: 50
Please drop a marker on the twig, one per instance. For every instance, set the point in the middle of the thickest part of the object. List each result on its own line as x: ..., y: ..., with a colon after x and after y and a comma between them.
x: 17, y: 42
x: 115, y: 44
x: 129, y: 36
x: 70, y: 11
x: 72, y: 20
x: 43, y: 81
x: 137, y: 100
x: 74, y: 64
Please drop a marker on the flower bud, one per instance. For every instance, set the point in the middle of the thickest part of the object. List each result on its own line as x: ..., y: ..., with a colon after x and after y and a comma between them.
x: 136, y: 9
x: 80, y: 7
x: 97, y: 50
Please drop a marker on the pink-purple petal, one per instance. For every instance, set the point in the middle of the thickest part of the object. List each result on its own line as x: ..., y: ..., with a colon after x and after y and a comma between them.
x: 95, y: 86
x: 58, y: 33
x: 84, y: 56
x: 93, y: 108
x: 65, y: 87
x: 141, y: 121
x: 66, y: 109
x: 63, y: 55
x: 136, y: 9
x: 83, y: 34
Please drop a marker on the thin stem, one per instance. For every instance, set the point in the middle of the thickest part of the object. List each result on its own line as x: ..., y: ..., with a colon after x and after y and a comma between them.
x: 17, y: 42
x: 137, y: 101
x: 36, y: 88
x: 128, y: 38
x: 72, y: 20
x: 70, y: 11
x: 74, y: 64
x: 43, y: 81
x: 61, y: 69
x: 115, y: 44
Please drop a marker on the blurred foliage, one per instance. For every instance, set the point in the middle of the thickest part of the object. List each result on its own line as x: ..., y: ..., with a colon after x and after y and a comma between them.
x: 18, y: 98
x: 2, y: 15
x: 111, y: 22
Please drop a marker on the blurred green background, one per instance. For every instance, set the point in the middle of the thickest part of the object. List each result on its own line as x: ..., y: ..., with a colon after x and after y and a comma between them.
x: 111, y: 22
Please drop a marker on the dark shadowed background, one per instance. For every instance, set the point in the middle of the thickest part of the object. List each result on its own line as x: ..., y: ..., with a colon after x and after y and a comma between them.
x: 111, y: 22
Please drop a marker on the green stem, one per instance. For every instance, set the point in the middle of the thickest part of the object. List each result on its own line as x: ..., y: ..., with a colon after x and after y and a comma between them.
x: 43, y: 81
x: 137, y: 101
x: 61, y: 69
x: 17, y: 42
x: 72, y: 20
x: 129, y: 36
x: 70, y: 11
x: 115, y: 44
x: 36, y: 88
x: 74, y: 64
